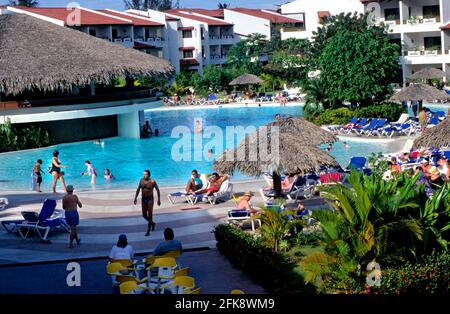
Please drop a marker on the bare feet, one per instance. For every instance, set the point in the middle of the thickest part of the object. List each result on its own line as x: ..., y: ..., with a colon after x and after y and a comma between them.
x: 71, y: 246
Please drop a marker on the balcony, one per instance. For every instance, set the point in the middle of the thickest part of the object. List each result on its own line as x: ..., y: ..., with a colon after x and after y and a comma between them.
x: 421, y: 20
x: 154, y: 41
x: 218, y: 59
x: 224, y: 40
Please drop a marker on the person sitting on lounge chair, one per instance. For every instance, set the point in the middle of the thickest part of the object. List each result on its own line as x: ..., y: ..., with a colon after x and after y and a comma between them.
x: 195, y: 183
x: 215, y: 181
x: 394, y: 166
x: 244, y: 203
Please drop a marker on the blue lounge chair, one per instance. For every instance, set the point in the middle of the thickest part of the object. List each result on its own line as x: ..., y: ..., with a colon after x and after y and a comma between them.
x: 357, y: 163
x: 446, y: 154
x: 358, y: 126
x: 405, y: 129
x: 347, y: 126
x: 173, y: 197
x: 378, y: 127
x: 45, y: 221
x: 433, y: 121
x: 371, y: 126
x: 240, y: 216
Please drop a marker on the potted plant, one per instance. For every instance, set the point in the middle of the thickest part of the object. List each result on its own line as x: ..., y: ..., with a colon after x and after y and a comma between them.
x: 413, y: 20
x: 414, y: 51
x: 429, y: 19
x: 432, y: 51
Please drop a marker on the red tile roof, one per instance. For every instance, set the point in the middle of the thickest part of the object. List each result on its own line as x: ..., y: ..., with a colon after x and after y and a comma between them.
x: 218, y: 13
x: 138, y: 45
x: 187, y: 28
x: 86, y: 17
x: 323, y: 14
x: 208, y: 20
x: 138, y: 21
x: 189, y: 62
x: 272, y: 16
x: 187, y: 48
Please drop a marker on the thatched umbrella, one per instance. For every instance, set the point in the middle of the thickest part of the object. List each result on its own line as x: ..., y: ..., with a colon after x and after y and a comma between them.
x: 438, y: 136
x: 246, y: 79
x: 255, y: 156
x: 305, y: 131
x: 39, y: 55
x: 428, y: 74
x: 420, y: 92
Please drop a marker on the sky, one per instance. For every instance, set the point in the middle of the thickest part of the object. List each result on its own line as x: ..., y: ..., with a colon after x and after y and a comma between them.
x: 118, y: 4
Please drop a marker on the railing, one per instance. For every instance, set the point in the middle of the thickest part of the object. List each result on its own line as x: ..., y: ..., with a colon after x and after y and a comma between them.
x: 420, y: 20
x: 422, y: 52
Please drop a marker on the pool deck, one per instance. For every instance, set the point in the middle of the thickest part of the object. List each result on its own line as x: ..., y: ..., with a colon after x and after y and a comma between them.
x: 107, y: 213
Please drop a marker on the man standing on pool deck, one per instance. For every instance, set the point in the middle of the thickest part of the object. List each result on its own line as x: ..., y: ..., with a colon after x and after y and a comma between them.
x: 147, y: 185
x: 70, y: 202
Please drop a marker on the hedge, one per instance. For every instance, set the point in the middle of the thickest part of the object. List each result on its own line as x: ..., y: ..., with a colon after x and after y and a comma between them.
x: 273, y: 271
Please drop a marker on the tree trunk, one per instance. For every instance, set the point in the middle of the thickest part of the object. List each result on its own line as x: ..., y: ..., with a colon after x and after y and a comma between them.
x: 276, y: 184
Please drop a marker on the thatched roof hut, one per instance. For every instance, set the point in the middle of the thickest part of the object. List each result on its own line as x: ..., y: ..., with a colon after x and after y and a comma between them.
x: 255, y: 155
x: 306, y: 132
x: 428, y: 74
x: 438, y: 136
x: 38, y: 55
x: 246, y: 79
x: 420, y: 92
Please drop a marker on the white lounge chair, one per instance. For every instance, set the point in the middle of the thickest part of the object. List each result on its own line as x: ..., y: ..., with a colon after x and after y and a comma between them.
x: 224, y: 192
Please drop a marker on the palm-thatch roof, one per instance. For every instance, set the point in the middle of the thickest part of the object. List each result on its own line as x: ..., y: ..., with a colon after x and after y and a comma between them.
x: 38, y: 55
x: 306, y: 132
x: 438, y: 136
x: 255, y: 155
x: 420, y: 92
x: 246, y: 79
x: 428, y: 74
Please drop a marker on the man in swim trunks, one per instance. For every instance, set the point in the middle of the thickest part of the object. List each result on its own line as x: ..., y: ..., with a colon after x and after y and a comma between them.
x: 215, y: 181
x: 147, y: 185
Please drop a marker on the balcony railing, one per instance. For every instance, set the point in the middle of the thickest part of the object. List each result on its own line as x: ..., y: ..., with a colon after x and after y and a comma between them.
x: 214, y: 37
x: 426, y: 52
x: 420, y: 20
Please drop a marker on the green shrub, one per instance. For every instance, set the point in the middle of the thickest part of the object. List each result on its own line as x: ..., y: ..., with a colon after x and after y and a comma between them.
x: 12, y: 138
x: 335, y: 116
x: 430, y: 276
x: 273, y: 271
x: 390, y: 111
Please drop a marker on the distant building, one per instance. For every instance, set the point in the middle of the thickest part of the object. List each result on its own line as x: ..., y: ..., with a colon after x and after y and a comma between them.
x: 314, y: 13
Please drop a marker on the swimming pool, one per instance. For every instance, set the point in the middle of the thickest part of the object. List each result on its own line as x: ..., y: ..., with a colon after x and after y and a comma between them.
x: 127, y: 158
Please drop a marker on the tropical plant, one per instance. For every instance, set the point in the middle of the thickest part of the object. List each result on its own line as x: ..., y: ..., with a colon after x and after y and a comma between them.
x: 275, y: 228
x: 160, y: 5
x: 316, y: 100
x: 223, y: 5
x: 25, y: 3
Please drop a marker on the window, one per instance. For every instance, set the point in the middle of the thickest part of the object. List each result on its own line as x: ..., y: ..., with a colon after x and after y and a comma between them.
x: 115, y: 33
x: 188, y: 54
x: 392, y: 14
x: 187, y: 34
x: 93, y: 32
x: 430, y: 11
x: 432, y: 43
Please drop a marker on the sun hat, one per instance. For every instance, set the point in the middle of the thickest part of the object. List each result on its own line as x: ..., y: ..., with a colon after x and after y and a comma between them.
x: 69, y: 188
x: 434, y: 170
x: 249, y: 193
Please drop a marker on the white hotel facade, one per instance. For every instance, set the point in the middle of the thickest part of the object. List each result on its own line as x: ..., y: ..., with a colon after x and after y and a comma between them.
x: 421, y: 27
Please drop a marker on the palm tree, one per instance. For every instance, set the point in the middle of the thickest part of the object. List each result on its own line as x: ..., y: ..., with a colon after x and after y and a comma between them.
x: 223, y: 5
x: 25, y: 3
x: 160, y: 5
x: 316, y: 100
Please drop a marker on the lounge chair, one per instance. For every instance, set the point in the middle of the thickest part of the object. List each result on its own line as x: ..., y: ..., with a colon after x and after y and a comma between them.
x: 3, y: 203
x: 45, y: 221
x: 331, y: 178
x: 433, y: 122
x: 377, y: 128
x: 241, y: 216
x: 358, y: 127
x: 349, y: 125
x: 403, y: 118
x: 225, y: 190
x: 403, y: 129
x: 299, y: 188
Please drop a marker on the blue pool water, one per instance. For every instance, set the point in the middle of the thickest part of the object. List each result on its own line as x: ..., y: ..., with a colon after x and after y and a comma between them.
x: 127, y: 158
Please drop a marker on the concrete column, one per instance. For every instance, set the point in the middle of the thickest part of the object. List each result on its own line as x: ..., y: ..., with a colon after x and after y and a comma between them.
x: 128, y: 125
x: 400, y: 4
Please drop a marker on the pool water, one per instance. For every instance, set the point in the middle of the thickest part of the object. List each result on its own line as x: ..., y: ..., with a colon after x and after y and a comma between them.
x: 127, y: 158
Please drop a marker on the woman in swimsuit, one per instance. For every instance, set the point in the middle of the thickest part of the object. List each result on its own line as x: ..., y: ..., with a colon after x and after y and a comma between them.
x: 56, y: 172
x: 147, y: 185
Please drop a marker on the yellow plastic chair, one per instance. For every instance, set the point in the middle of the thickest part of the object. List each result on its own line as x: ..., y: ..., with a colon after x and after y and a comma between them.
x: 195, y: 291
x: 237, y: 292
x: 150, y: 259
x: 131, y: 287
x: 124, y: 262
x: 120, y: 273
x: 164, y: 267
x: 180, y: 285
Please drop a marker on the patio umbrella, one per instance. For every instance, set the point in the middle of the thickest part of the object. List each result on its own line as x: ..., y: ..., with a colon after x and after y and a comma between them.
x: 438, y: 136
x: 420, y: 92
x: 428, y: 74
x: 305, y: 131
x: 246, y: 79
x: 268, y: 150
